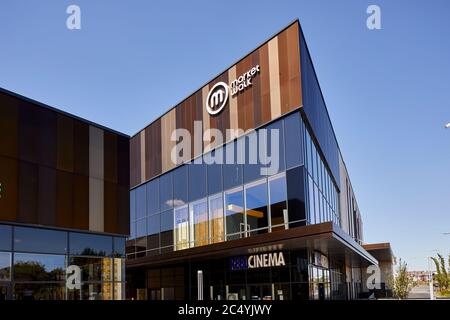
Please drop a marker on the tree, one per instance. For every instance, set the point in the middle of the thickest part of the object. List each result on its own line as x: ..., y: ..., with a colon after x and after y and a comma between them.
x: 442, y: 276
x: 401, y: 282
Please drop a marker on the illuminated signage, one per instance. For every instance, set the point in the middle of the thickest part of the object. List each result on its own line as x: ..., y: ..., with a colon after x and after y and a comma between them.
x: 218, y: 95
x: 256, y: 261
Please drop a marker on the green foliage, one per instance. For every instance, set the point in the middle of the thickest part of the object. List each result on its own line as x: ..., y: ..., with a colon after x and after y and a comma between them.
x: 401, y: 282
x: 442, y: 276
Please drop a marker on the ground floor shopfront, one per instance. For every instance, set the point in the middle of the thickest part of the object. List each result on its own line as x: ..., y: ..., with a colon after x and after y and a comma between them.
x: 308, y: 263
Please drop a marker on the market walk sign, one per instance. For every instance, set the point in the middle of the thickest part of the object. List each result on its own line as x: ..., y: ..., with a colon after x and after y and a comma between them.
x: 218, y: 95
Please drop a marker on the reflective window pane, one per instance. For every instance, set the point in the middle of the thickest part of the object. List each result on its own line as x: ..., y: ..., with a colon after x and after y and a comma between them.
x: 119, y: 247
x: 214, y: 169
x: 234, y: 214
x: 153, y: 229
x: 216, y: 218
x: 295, y: 182
x: 256, y: 207
x: 40, y: 240
x: 166, y: 236
x: 39, y: 267
x: 181, y: 228
x: 5, y: 237
x: 197, y: 181
x: 232, y: 168
x: 278, y: 206
x: 166, y: 191
x: 94, y: 269
x: 180, y: 186
x: 199, y: 223
x: 252, y: 167
x: 5, y: 266
x: 153, y: 197
x: 83, y: 244
x: 92, y: 291
x: 294, y: 140
x: 141, y: 202
x: 275, y: 158
x: 39, y: 291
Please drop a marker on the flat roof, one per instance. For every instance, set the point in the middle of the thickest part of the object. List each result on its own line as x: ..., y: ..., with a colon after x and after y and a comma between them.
x: 45, y: 106
x: 381, y: 251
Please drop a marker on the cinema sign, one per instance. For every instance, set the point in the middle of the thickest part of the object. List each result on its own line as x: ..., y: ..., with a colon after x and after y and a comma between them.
x: 256, y: 261
x: 218, y: 95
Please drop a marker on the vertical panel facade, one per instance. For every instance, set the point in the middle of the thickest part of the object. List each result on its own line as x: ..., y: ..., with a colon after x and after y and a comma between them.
x: 61, y: 171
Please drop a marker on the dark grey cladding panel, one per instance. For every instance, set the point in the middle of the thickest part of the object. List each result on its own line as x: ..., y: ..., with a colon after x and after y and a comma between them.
x: 316, y: 111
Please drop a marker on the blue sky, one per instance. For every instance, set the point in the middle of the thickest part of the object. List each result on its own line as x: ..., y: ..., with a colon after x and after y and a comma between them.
x: 387, y: 90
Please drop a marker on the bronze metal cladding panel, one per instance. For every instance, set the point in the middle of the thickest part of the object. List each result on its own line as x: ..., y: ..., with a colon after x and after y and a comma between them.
x: 221, y: 121
x: 110, y: 157
x: 46, y: 137
x: 28, y: 133
x: 28, y: 191
x: 110, y: 208
x: 135, y: 160
x: 80, y: 202
x: 256, y: 92
x: 64, y: 199
x: 168, y: 125
x: 123, y: 209
x: 9, y: 114
x: 65, y: 143
x: 9, y: 173
x: 46, y: 196
x: 123, y: 161
x: 153, y: 149
x: 265, y: 83
x: 245, y: 98
x: 293, y: 50
x: 81, y: 148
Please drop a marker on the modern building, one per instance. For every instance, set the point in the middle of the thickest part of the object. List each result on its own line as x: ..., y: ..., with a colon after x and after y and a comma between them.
x: 210, y: 222
x: 64, y: 204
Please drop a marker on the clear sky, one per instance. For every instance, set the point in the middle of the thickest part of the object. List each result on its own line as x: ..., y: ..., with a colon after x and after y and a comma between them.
x: 387, y: 91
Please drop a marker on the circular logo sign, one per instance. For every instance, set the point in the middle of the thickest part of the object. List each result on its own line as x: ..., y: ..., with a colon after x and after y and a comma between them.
x: 217, y: 98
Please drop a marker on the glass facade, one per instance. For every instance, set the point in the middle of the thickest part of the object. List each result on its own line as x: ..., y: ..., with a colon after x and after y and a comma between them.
x: 206, y: 202
x: 33, y: 264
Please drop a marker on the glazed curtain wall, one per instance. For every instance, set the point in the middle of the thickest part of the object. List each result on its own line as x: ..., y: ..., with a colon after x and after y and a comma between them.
x: 58, y: 171
x: 275, y: 91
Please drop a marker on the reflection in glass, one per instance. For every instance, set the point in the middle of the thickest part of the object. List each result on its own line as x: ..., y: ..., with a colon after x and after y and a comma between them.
x: 256, y: 207
x: 199, y: 223
x: 92, y: 291
x: 234, y: 214
x: 119, y: 247
x: 180, y: 186
x: 166, y: 236
x: 94, y: 269
x: 216, y: 218
x: 5, y: 237
x: 119, y: 269
x: 39, y: 291
x: 197, y: 181
x: 293, y: 132
x: 39, y: 267
x: 141, y: 202
x: 40, y: 240
x: 84, y: 244
x: 5, y: 266
x: 153, y: 196
x: 214, y: 170
x: 166, y: 191
x: 154, y: 223
x: 181, y: 228
x: 278, y: 207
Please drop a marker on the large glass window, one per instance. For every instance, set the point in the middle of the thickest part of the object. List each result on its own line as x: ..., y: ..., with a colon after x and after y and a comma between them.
x: 278, y: 206
x: 214, y: 171
x: 39, y: 240
x: 94, y: 269
x: 199, y: 223
x: 295, y: 182
x: 234, y: 214
x: 216, y: 225
x: 180, y: 186
x: 119, y: 247
x: 5, y: 266
x: 133, y: 214
x: 153, y: 229
x: 294, y: 138
x: 39, y: 291
x: 83, y: 244
x: 181, y: 228
x: 256, y: 207
x: 197, y: 181
x: 39, y: 267
x: 166, y: 191
x: 153, y: 197
x: 166, y: 236
x: 141, y: 202
x: 253, y: 164
x: 275, y: 159
x: 232, y: 168
x: 5, y: 238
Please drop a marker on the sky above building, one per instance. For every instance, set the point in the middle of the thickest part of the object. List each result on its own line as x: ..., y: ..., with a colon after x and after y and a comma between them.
x: 387, y: 91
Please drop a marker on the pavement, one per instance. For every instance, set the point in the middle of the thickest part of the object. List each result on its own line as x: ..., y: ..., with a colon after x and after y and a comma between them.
x: 420, y: 292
